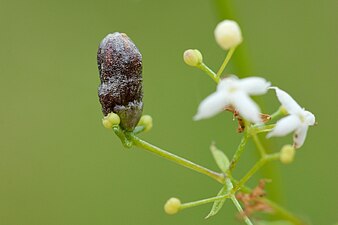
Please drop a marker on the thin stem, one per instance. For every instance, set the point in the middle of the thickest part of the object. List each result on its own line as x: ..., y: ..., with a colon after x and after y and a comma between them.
x: 119, y: 132
x: 226, y: 61
x: 278, y: 113
x: 217, y: 176
x: 254, y: 169
x: 238, y: 152
x: 203, y: 201
x: 174, y: 158
x: 208, y: 71
x: 259, y: 145
x: 256, y: 129
x: 239, y: 208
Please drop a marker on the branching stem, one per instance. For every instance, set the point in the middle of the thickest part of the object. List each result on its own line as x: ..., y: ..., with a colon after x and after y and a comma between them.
x: 209, y: 72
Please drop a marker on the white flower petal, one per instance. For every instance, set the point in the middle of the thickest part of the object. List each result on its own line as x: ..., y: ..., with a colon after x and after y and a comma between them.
x: 225, y: 84
x: 285, y: 126
x: 211, y: 105
x: 299, y: 136
x: 287, y: 101
x: 310, y: 119
x: 254, y: 85
x: 246, y: 107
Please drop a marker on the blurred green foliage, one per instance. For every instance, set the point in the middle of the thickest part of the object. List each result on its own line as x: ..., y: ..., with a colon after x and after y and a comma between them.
x: 58, y: 165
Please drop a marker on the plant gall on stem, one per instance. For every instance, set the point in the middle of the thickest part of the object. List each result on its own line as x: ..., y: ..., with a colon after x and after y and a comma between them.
x: 120, y: 67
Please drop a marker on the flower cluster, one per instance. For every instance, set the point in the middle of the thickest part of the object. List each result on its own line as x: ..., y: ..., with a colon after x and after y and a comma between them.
x: 234, y: 92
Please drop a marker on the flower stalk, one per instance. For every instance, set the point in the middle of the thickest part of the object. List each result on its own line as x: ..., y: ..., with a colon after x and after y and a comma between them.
x: 226, y: 61
x: 209, y: 72
x: 176, y: 159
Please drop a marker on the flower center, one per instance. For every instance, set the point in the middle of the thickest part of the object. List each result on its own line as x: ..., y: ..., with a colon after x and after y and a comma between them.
x: 232, y: 89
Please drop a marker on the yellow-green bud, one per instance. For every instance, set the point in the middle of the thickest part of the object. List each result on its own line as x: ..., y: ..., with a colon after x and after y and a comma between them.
x: 192, y: 57
x: 283, y: 110
x: 147, y: 122
x: 110, y: 120
x: 172, y: 206
x: 287, y: 154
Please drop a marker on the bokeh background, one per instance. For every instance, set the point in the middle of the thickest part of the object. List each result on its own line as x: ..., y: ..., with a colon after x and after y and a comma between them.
x: 58, y: 165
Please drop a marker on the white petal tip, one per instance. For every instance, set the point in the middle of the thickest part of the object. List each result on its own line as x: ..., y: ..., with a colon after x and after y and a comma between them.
x: 269, y: 135
x: 197, y: 117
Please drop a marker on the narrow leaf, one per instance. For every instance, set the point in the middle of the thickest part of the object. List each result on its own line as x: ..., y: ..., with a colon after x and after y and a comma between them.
x: 217, y: 204
x: 221, y: 159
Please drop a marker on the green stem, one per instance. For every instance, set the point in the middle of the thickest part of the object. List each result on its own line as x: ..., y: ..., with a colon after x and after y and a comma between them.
x: 278, y: 113
x: 119, y: 132
x: 216, y: 176
x: 235, y: 201
x: 174, y: 158
x: 261, y: 128
x: 226, y: 61
x: 259, y: 145
x: 239, y: 208
x: 208, y: 71
x: 254, y: 169
x: 204, y: 201
x: 226, y: 9
x: 238, y: 152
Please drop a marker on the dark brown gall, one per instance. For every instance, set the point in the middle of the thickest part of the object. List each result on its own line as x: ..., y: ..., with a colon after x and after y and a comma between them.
x: 120, y: 67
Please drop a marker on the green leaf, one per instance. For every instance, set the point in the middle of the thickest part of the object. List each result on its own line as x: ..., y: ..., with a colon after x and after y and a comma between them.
x: 280, y: 222
x: 221, y: 159
x: 217, y: 204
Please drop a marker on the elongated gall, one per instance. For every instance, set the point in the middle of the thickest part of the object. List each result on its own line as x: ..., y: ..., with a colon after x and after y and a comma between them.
x: 120, y: 67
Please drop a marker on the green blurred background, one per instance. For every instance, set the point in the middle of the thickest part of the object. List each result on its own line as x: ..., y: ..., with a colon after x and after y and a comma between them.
x: 59, y: 166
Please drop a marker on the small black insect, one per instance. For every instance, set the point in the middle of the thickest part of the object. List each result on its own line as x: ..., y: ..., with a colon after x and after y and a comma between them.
x: 120, y: 67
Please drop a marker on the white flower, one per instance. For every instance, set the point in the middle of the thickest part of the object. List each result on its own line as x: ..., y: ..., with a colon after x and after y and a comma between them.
x: 228, y: 34
x: 298, y: 119
x: 235, y: 92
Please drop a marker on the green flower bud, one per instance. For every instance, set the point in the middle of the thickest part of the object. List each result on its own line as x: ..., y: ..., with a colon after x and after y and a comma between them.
x: 110, y: 120
x: 192, y: 57
x: 147, y: 122
x: 287, y: 154
x: 172, y: 206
